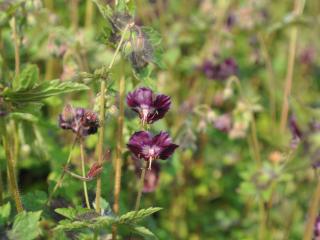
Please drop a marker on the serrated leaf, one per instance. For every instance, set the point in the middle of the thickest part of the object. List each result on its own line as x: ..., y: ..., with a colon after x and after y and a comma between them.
x: 70, y: 213
x: 25, y: 226
x: 43, y: 90
x: 143, y: 232
x: 4, y: 213
x: 134, y: 216
x: 27, y: 78
x: 34, y: 201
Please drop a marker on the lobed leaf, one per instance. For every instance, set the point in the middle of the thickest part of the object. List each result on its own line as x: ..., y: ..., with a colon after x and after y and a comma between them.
x: 138, y: 215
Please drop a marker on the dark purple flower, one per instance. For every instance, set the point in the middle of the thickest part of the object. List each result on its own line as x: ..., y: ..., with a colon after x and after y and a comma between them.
x: 149, y: 106
x: 223, y: 123
x: 145, y: 146
x: 81, y: 121
x: 308, y: 56
x: 295, y: 131
x: 316, y: 232
x: 230, y: 21
x: 151, y: 179
x: 221, y: 71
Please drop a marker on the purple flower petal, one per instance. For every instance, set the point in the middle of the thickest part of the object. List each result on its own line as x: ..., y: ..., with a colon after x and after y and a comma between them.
x: 149, y: 106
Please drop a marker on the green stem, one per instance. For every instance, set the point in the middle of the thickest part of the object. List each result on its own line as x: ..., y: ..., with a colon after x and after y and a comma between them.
x: 1, y: 188
x: 263, y: 217
x: 16, y: 46
x: 118, y: 163
x: 12, y: 178
x: 312, y: 213
x: 85, y: 189
x: 102, y: 118
x: 298, y: 9
x: 140, y: 187
x: 89, y: 14
x: 59, y: 182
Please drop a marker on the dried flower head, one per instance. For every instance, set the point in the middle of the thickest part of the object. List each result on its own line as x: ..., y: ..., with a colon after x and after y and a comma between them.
x: 145, y: 146
x: 142, y: 50
x: 81, y: 121
x: 149, y: 106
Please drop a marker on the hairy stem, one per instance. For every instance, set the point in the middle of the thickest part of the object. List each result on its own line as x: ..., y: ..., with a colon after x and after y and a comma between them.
x: 298, y: 8
x: 312, y: 213
x: 118, y: 162
x: 85, y: 189
x: 59, y: 182
x: 16, y: 46
x: 89, y: 14
x: 102, y: 118
x: 140, y: 186
x: 12, y: 177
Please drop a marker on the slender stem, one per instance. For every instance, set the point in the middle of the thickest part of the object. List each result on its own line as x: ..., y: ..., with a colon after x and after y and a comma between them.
x: 12, y: 177
x: 100, y: 142
x: 140, y: 187
x: 298, y: 8
x: 1, y: 189
x: 256, y: 147
x: 74, y: 14
x: 102, y: 118
x: 16, y: 46
x: 262, y: 227
x: 118, y: 163
x: 85, y: 189
x: 312, y: 213
x: 89, y: 14
x: 59, y: 182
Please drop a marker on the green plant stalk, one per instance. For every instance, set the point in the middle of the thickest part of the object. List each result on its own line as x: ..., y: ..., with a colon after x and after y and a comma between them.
x: 118, y: 162
x: 312, y: 213
x: 1, y: 189
x: 85, y: 189
x: 102, y: 118
x: 89, y: 14
x: 74, y: 8
x: 12, y: 178
x: 263, y: 218
x: 59, y: 182
x: 298, y: 9
x: 140, y: 186
x: 16, y: 46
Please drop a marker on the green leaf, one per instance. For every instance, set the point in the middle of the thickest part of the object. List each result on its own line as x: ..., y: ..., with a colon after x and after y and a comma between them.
x: 24, y: 116
x: 27, y: 78
x: 43, y: 90
x: 25, y: 226
x: 138, y: 215
x: 5, y: 213
x: 34, y: 201
x: 70, y: 213
x: 143, y: 232
x: 104, y: 9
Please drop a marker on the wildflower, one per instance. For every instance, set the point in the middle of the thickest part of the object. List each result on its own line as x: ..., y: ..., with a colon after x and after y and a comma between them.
x: 149, y: 106
x: 81, y: 121
x: 316, y: 232
x: 221, y: 71
x: 223, y: 123
x: 143, y: 145
x: 295, y: 131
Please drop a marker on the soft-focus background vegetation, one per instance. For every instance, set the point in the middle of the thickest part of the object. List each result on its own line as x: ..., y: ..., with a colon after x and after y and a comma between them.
x: 246, y: 161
